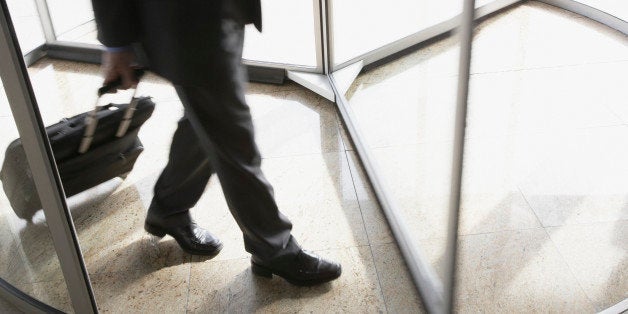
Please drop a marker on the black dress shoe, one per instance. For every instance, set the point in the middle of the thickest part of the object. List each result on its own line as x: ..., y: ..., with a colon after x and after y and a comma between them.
x: 302, y: 269
x: 191, y: 238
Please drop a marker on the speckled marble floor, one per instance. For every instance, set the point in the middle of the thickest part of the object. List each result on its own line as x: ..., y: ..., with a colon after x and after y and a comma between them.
x: 544, y: 222
x: 304, y: 157
x: 317, y: 186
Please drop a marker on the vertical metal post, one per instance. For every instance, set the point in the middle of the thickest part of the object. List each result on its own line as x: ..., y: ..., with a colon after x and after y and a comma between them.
x: 466, y: 37
x: 328, y: 30
x: 46, y: 21
x: 40, y: 158
x: 319, y: 36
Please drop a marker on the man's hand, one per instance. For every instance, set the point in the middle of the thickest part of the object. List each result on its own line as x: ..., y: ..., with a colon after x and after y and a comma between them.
x: 119, y: 65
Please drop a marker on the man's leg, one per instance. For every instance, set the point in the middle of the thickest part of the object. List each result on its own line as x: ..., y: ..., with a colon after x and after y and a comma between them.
x: 179, y: 187
x: 185, y: 177
x: 225, y: 129
x: 222, y: 121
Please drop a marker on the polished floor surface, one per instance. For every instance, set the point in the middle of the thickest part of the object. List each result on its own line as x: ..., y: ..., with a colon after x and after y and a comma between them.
x: 544, y: 221
x: 317, y: 186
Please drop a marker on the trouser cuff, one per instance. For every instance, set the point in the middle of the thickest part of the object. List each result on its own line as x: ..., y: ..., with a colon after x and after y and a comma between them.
x: 165, y: 217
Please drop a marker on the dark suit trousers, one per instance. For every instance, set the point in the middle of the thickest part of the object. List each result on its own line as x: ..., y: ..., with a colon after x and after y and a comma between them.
x: 216, y: 136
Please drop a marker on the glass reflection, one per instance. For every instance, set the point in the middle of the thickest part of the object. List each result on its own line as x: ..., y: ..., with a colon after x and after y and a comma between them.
x: 28, y: 260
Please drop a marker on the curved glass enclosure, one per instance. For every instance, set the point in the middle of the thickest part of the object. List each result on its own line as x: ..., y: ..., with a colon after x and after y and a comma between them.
x: 288, y: 39
x: 618, y: 9
x: 355, y: 34
x: 533, y: 189
x: 453, y: 160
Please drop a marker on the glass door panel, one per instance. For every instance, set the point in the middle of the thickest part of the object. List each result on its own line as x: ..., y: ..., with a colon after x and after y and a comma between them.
x: 542, y: 164
x: 288, y: 35
x: 28, y: 260
x: 617, y: 8
x: 361, y: 26
x: 73, y: 20
x: 27, y: 24
x: 404, y: 111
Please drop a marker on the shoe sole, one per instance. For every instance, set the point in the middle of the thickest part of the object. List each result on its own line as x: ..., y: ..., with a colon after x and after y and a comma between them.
x: 160, y: 232
x: 264, y: 271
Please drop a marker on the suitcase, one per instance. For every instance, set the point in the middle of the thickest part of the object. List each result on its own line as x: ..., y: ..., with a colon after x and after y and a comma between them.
x: 89, y: 149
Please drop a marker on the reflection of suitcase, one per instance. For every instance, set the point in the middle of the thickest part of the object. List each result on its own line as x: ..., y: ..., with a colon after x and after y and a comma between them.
x: 110, y: 151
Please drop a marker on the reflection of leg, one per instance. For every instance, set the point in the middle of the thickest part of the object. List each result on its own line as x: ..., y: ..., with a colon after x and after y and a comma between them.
x: 184, y: 179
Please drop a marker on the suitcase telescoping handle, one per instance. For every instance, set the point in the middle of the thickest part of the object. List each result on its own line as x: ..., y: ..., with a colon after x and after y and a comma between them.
x: 91, y: 121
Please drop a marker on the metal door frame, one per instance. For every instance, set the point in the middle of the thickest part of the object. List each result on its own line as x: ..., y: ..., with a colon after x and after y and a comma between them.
x: 45, y: 175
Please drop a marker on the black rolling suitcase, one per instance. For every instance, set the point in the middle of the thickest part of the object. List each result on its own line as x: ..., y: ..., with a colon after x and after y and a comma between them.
x: 89, y: 148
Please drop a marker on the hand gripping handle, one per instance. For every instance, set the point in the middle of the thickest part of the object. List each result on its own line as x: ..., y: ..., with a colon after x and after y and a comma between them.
x: 91, y: 121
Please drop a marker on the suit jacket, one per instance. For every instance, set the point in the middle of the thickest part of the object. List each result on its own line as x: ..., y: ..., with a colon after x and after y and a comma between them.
x: 181, y: 39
